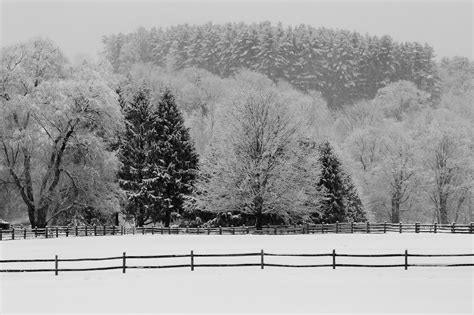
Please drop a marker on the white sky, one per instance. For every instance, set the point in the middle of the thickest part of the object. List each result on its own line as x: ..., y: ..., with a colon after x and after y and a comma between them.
x: 77, y: 26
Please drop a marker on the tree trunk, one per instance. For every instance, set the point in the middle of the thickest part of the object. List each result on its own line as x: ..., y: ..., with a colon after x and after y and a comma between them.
x: 31, y: 215
x: 395, y: 215
x: 116, y: 219
x: 258, y: 204
x: 139, y: 221
x: 167, y: 218
x: 258, y: 222
x: 41, y: 214
x: 443, y: 209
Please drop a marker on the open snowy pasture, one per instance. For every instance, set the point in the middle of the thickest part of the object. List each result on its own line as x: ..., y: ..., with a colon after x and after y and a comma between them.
x: 240, y: 289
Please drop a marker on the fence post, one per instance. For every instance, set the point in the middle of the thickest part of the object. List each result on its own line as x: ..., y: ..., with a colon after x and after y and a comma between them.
x: 208, y: 231
x: 435, y: 226
x: 333, y: 259
x: 143, y: 230
x: 385, y: 227
x: 113, y: 230
x: 192, y: 260
x: 36, y: 232
x: 368, y: 228
x: 322, y: 228
x: 105, y: 231
x: 95, y: 230
x: 124, y: 261
x: 233, y: 230
x: 13, y: 233
x: 67, y: 231
x: 220, y: 230
x: 406, y: 259
x: 24, y: 233
x: 86, y: 230
x: 471, y: 228
x: 1, y: 234
x: 352, y: 227
x: 56, y: 265
x: 262, y: 254
x: 77, y: 231
x: 400, y: 226
x: 275, y: 231
x: 453, y: 227
x: 417, y: 226
x: 337, y: 226
x: 57, y: 232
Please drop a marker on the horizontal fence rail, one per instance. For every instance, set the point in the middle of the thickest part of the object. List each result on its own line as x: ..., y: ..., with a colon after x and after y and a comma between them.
x: 259, y: 262
x: 342, y: 228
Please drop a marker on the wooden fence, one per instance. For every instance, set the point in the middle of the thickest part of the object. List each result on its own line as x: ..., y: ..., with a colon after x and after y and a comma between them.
x: 366, y: 227
x: 261, y: 262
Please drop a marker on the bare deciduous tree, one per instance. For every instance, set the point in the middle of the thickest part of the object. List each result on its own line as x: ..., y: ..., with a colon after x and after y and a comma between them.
x: 251, y: 172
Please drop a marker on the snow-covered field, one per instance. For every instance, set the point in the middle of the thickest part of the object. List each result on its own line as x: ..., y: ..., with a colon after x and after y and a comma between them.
x: 240, y: 289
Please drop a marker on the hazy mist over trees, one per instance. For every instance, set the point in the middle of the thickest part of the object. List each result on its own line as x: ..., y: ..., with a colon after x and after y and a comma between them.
x: 259, y: 101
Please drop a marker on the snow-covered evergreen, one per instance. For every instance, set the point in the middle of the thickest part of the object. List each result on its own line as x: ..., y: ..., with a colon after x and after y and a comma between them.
x: 158, y: 158
x: 174, y: 158
x: 134, y: 154
x: 340, y: 201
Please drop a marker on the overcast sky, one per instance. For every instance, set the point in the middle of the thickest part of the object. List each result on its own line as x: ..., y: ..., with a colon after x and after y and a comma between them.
x: 77, y: 26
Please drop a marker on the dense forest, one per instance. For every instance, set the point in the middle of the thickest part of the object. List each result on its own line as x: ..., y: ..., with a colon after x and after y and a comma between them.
x: 236, y: 124
x: 344, y: 66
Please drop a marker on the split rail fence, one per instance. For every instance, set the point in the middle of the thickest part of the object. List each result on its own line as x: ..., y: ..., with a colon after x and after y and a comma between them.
x: 259, y: 262
x: 366, y: 227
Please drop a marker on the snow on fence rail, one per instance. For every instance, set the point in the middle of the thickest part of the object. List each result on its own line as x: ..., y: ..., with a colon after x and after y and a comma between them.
x: 262, y: 263
x: 366, y: 227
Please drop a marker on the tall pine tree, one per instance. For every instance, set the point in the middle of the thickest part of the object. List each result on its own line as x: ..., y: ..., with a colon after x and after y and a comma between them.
x: 175, y: 158
x: 134, y: 156
x: 340, y: 201
x: 330, y: 186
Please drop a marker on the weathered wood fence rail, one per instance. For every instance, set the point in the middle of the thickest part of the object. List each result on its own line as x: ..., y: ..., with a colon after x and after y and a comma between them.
x: 366, y: 227
x: 259, y: 262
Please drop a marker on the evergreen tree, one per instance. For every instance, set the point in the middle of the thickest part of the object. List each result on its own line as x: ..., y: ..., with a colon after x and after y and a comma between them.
x: 353, y: 205
x: 339, y: 198
x: 134, y: 156
x: 174, y: 157
x: 330, y: 186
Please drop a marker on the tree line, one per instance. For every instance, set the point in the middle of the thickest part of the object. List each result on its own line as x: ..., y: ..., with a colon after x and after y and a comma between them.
x: 343, y: 66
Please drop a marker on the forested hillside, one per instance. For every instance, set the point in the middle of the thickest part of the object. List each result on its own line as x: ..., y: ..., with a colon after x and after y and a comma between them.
x: 344, y: 66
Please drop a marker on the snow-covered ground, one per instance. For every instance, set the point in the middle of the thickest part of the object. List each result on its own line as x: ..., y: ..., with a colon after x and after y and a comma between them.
x: 240, y: 289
